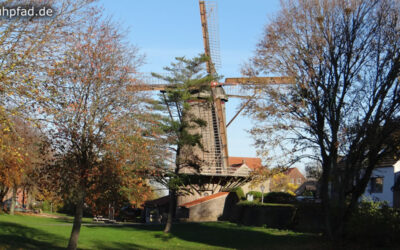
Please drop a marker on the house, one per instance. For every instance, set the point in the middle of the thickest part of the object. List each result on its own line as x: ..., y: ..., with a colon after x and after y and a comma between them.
x: 295, y: 176
x: 22, y: 198
x: 249, y: 164
x: 292, y: 175
x: 287, y: 181
x: 384, y: 184
x: 308, y: 187
x: 244, y: 163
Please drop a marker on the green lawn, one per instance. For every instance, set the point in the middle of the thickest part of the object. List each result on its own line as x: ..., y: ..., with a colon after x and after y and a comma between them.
x: 29, y: 232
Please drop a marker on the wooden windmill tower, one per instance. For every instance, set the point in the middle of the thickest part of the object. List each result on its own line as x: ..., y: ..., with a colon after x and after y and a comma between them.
x: 214, y: 136
x: 215, y: 173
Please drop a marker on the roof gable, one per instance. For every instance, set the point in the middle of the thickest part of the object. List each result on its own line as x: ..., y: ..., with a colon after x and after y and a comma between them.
x: 251, y: 162
x: 294, y: 172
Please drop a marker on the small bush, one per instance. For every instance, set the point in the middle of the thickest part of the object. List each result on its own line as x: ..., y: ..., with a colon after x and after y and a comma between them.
x: 46, y: 206
x: 279, y: 197
x: 256, y: 195
x: 374, y: 224
x: 239, y: 192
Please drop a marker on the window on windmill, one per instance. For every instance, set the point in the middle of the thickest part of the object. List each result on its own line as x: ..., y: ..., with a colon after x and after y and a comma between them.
x: 377, y: 185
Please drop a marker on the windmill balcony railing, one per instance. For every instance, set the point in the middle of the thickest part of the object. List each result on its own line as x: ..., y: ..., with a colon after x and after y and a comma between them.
x: 217, y: 171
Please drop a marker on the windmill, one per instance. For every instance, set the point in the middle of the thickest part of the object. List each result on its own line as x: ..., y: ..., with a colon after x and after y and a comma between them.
x: 215, y: 172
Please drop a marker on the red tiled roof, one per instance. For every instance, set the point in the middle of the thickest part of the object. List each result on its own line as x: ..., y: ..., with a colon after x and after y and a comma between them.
x: 251, y: 162
x: 203, y: 199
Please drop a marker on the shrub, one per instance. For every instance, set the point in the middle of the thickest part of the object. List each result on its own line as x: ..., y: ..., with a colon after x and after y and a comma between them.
x: 279, y: 197
x: 374, y: 224
x: 256, y: 195
x: 272, y: 215
x: 239, y: 193
x: 46, y: 206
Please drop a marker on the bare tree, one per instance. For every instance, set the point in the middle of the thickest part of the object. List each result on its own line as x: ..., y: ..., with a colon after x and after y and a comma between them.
x: 345, y: 103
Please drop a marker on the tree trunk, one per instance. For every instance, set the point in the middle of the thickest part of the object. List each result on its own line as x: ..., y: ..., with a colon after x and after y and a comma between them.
x: 23, y: 197
x: 13, y: 200
x: 3, y: 192
x: 171, y: 210
x: 325, y: 196
x: 76, y: 228
x: 327, y: 220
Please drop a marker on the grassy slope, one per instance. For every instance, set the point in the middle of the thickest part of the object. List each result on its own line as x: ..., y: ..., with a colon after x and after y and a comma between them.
x: 29, y: 232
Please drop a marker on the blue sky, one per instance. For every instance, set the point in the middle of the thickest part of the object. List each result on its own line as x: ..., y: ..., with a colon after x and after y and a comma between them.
x: 165, y: 29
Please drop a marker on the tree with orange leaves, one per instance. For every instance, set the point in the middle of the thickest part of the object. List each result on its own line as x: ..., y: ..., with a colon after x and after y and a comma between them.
x: 27, y: 46
x: 19, y: 157
x: 87, y: 98
x: 128, y: 154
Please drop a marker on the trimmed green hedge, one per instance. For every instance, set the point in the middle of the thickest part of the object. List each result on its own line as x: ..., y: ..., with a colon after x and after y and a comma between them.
x: 299, y: 217
x: 279, y: 197
x: 279, y: 216
x: 273, y: 197
x: 256, y: 195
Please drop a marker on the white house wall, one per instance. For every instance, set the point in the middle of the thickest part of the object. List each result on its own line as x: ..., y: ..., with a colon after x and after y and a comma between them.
x: 388, y: 181
x: 397, y: 167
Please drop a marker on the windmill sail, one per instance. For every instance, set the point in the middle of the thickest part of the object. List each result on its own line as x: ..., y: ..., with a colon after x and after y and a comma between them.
x: 209, y: 19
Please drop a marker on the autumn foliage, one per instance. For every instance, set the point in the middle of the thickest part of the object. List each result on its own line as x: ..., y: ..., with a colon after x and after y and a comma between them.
x: 91, y: 120
x: 20, y: 155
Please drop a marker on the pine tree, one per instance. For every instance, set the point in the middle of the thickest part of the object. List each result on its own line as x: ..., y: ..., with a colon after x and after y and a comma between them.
x: 187, y: 78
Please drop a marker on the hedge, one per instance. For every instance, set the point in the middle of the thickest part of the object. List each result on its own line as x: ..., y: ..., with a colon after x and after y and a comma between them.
x: 374, y: 224
x: 279, y: 197
x: 270, y: 215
